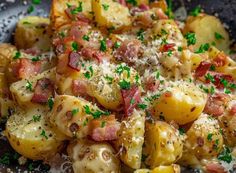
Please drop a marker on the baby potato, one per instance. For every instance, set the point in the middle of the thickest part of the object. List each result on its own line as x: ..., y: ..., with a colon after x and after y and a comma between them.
x: 32, y: 31
x: 163, y: 145
x: 21, y: 92
x: 182, y: 102
x: 7, y: 52
x: 71, y: 115
x: 207, y: 30
x: 204, y: 138
x: 130, y: 139
x: 31, y: 135
x: 161, y: 169
x: 58, y: 15
x: 91, y: 157
x: 111, y: 14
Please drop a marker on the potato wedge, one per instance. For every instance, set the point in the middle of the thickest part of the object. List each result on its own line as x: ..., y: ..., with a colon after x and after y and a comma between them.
x: 31, y: 134
x: 32, y: 32
x: 163, y: 145
x: 205, y: 28
x: 161, y: 169
x: 183, y: 103
x: 131, y: 138
x: 91, y: 157
x: 111, y: 14
x: 58, y: 15
x: 22, y: 94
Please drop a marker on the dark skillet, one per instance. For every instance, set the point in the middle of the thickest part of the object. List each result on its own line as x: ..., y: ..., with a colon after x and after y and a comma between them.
x: 11, y: 11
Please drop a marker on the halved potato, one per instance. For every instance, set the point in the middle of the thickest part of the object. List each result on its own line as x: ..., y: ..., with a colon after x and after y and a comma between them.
x: 111, y: 14
x: 32, y: 32
x: 31, y: 134
x: 161, y: 169
x: 206, y: 27
x: 92, y: 157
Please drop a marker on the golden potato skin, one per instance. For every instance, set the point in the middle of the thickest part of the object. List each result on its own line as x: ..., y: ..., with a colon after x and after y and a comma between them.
x: 204, y: 138
x: 161, y: 169
x: 131, y: 138
x: 205, y: 27
x: 32, y: 31
x: 163, y: 145
x: 183, y: 103
x: 91, y: 157
x: 116, y: 15
x: 7, y: 52
x: 33, y: 138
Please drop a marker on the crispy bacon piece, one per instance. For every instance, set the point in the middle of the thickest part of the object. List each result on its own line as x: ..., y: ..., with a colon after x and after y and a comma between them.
x: 167, y: 47
x: 24, y: 68
x: 220, y: 60
x: 128, y: 51
x: 232, y: 110
x: 90, y: 53
x: 79, y: 88
x: 152, y: 84
x: 131, y: 98
x: 122, y: 2
x: 215, y: 168
x: 216, y: 104
x: 202, y: 69
x: 104, y: 128
x: 219, y: 77
x: 74, y: 61
x: 43, y: 90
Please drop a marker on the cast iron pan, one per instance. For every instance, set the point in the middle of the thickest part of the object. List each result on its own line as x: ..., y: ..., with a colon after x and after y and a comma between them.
x: 12, y: 10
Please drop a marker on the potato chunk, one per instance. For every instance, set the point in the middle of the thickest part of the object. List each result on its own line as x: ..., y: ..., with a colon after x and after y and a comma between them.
x: 161, y: 169
x: 32, y: 32
x: 111, y: 14
x: 7, y: 52
x: 31, y: 134
x: 183, y: 103
x: 207, y: 28
x: 130, y: 139
x: 163, y: 145
x: 91, y: 157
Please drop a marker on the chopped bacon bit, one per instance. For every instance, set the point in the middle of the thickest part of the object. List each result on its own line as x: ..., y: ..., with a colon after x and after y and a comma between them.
x: 104, y: 128
x: 79, y: 88
x: 200, y: 141
x: 152, y: 84
x: 32, y: 51
x: 74, y: 61
x: 128, y: 51
x: 90, y: 53
x: 131, y: 98
x: 109, y: 43
x: 24, y: 68
x: 215, y: 168
x: 232, y: 110
x: 43, y: 90
x: 122, y: 2
x: 59, y: 49
x: 144, y: 7
x: 216, y: 104
x: 218, y: 78
x: 168, y: 94
x: 220, y: 60
x: 167, y: 47
x: 202, y: 69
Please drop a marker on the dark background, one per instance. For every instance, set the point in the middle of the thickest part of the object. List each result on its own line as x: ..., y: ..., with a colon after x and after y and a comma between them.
x: 11, y: 11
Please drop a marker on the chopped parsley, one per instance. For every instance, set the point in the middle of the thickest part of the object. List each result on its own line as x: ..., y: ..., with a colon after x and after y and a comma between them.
x: 169, y: 53
x: 232, y: 86
x: 121, y: 69
x: 109, y: 79
x: 105, y: 6
x: 225, y: 155
x: 195, y: 12
x: 96, y: 114
x: 29, y: 86
x: 124, y: 84
x: 36, y: 118
x: 212, y: 90
x: 209, y: 77
x: 89, y: 74
x: 30, y: 9
x: 86, y: 37
x: 74, y: 111
x: 36, y: 2
x: 140, y: 35
x: 227, y: 91
x: 85, y: 122
x: 62, y: 34
x: 191, y: 38
x: 163, y: 32
x: 133, y: 2
x: 75, y: 46
x: 137, y: 78
x: 43, y: 134
x: 117, y: 45
x: 35, y: 59
x: 212, y: 67
x: 5, y: 159
x: 103, y: 124
x: 50, y: 103
x: 209, y: 137
x: 180, y: 49
x: 132, y: 101
x: 77, y: 9
x: 157, y: 75
x: 26, y: 23
x: 203, y: 48
x: 103, y: 45
x: 218, y: 36
x: 181, y: 131
x: 142, y: 106
x: 17, y: 55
